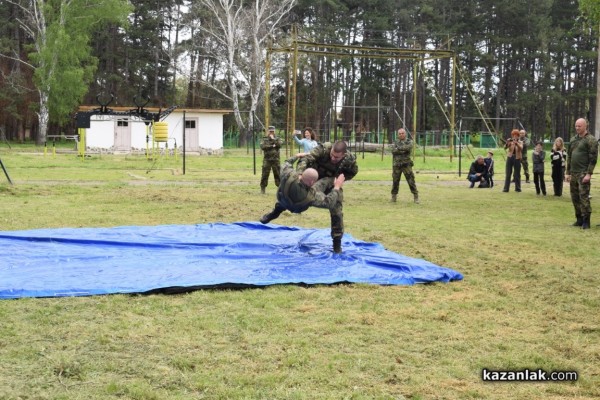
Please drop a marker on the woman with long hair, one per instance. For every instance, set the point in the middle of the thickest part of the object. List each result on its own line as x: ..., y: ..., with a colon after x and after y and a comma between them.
x: 558, y: 158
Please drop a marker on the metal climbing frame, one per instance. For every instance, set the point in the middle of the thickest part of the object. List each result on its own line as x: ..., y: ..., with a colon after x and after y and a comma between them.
x: 320, y: 49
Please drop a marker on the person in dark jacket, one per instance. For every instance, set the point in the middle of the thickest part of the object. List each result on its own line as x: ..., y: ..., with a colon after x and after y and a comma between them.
x: 558, y: 159
x: 489, y: 163
x: 538, y: 156
x: 478, y: 171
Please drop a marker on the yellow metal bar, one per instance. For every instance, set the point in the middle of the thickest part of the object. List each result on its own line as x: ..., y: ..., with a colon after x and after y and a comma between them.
x: 289, y: 103
x: 81, y: 143
x: 415, y: 67
x: 294, y: 84
x: 453, y: 108
x: 267, y: 87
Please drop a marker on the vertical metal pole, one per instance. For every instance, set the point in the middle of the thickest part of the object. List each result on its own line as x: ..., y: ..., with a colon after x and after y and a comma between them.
x: 183, y: 142
x: 82, y: 143
x: 294, y: 84
x: 290, y: 106
x: 267, y: 86
x: 354, y: 119
x: 253, y: 142
x: 453, y: 106
x: 379, y: 127
x: 414, y: 122
x: 404, y: 110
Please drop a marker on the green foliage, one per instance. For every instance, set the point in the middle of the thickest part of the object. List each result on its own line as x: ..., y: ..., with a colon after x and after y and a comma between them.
x: 591, y: 8
x: 62, y: 54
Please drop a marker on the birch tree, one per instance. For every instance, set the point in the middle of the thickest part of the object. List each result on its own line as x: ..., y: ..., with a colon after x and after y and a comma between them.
x: 241, y: 31
x: 59, y: 31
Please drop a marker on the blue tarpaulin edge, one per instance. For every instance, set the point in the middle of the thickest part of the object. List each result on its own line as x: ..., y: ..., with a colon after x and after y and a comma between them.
x: 141, y: 259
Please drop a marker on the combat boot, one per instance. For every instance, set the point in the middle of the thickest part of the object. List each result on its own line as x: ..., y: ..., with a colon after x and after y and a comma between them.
x: 585, y: 222
x: 337, y: 245
x: 265, y: 219
x: 262, y: 190
x: 579, y: 221
x: 417, y: 199
x: 393, y: 200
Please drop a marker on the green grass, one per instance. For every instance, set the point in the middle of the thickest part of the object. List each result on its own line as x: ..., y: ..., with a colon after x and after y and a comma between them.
x: 529, y: 298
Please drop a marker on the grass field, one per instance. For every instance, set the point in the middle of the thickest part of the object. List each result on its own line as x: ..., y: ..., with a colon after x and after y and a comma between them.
x: 530, y: 297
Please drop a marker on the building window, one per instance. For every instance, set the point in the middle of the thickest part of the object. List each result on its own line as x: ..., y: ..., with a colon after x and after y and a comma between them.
x: 122, y: 122
x: 190, y: 124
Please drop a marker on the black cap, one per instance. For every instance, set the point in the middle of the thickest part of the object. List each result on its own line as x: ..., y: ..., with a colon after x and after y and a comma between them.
x: 271, y: 128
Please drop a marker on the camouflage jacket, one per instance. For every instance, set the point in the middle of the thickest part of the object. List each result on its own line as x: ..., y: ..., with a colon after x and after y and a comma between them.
x: 296, y: 197
x: 401, y: 150
x: 582, y: 155
x: 319, y: 159
x: 270, y: 148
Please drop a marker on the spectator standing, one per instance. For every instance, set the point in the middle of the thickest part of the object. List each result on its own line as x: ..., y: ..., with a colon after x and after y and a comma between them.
x: 489, y: 163
x: 270, y: 146
x: 309, y: 142
x: 558, y: 159
x: 539, y: 156
x: 514, y: 148
x: 524, y: 163
x: 402, y: 164
x: 582, y: 156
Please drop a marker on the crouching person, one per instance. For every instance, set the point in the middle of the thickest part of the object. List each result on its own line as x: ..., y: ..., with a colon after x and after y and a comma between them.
x: 478, y: 172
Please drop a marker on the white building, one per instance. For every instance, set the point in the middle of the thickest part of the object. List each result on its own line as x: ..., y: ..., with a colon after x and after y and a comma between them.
x: 126, y: 133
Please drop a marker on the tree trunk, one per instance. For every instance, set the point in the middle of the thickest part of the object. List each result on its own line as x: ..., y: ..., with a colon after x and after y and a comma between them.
x: 43, y: 116
x: 597, y: 113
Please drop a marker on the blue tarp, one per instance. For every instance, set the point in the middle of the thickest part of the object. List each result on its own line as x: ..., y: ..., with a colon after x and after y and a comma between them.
x: 142, y: 259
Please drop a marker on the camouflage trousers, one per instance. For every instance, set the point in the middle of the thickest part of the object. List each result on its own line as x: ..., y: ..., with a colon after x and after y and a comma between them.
x: 580, y: 194
x: 525, y: 167
x: 267, y: 166
x: 336, y: 214
x: 397, y: 171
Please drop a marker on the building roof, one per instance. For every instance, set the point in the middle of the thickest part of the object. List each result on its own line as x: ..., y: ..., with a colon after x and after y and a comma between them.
x: 156, y: 109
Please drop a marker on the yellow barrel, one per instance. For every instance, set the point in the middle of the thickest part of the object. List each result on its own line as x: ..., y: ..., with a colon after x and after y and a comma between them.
x: 161, y: 131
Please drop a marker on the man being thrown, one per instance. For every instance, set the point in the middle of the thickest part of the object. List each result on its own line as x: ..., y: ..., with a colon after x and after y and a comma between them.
x: 296, y: 192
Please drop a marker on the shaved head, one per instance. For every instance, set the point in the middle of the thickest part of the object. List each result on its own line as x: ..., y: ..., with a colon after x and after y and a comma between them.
x: 309, y: 176
x: 581, y: 126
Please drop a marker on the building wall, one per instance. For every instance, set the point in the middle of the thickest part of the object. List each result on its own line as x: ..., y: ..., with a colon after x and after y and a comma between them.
x: 208, y: 126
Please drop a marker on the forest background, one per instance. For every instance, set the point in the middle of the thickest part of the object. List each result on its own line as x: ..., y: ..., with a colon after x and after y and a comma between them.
x: 535, y: 61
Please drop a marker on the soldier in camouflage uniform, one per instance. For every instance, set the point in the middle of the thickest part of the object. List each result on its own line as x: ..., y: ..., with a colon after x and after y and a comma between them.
x: 296, y: 193
x: 524, y: 163
x: 270, y: 146
x: 331, y: 161
x: 582, y: 156
x: 401, y: 150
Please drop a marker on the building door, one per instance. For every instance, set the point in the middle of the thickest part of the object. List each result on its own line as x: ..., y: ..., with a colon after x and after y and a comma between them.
x: 191, y: 135
x: 123, y: 135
